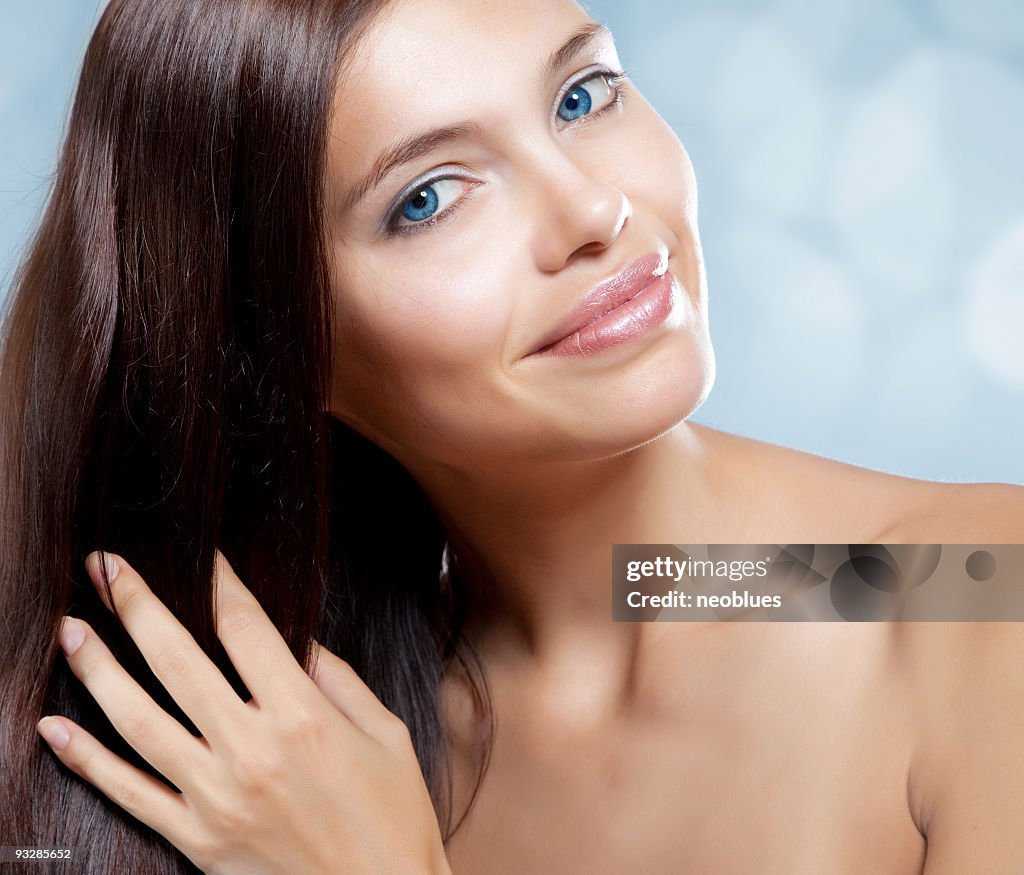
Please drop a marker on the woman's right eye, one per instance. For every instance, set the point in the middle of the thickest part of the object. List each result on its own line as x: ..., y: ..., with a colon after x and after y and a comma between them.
x: 427, y: 201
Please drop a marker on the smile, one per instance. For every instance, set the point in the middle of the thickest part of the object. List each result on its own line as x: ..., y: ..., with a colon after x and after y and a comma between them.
x: 634, y: 317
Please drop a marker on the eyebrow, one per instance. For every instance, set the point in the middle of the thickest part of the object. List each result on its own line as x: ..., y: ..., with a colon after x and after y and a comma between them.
x: 417, y: 145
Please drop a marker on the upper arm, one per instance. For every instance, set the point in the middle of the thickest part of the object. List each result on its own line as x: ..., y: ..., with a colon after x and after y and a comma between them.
x: 970, y: 787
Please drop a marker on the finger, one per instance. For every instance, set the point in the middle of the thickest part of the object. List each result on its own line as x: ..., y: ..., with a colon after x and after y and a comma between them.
x: 265, y: 663
x: 348, y: 693
x: 141, y: 795
x: 180, y: 664
x: 259, y: 654
x: 157, y: 737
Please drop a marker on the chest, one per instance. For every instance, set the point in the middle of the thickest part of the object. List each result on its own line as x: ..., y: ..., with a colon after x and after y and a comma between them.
x: 790, y: 765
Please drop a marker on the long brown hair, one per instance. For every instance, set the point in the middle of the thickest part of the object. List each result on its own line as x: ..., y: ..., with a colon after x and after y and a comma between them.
x: 164, y: 371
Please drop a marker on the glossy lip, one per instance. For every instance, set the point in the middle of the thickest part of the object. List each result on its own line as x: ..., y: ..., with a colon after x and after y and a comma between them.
x: 605, y: 297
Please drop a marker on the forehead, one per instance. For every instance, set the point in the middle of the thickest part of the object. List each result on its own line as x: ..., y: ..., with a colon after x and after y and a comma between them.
x: 429, y: 63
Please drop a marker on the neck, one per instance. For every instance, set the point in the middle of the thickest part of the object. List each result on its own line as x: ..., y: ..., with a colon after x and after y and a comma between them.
x: 532, y: 545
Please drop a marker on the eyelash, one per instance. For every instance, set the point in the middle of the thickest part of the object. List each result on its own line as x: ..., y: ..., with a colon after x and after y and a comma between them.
x: 615, y: 79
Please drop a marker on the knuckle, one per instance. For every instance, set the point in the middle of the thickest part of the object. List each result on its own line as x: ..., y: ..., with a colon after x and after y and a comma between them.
x: 88, y: 657
x: 127, y: 594
x: 259, y: 768
x: 228, y: 821
x: 170, y: 661
x: 81, y: 758
x: 126, y: 796
x: 304, y: 724
x: 236, y: 618
x: 134, y: 728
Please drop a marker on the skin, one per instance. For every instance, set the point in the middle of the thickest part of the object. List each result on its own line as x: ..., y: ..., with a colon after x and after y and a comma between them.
x: 255, y: 797
x: 629, y: 747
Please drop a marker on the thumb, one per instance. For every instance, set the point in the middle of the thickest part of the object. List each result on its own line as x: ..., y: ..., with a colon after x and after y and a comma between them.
x: 344, y: 689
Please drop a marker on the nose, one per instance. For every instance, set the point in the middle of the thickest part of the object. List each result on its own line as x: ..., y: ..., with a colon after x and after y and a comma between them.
x: 578, y: 212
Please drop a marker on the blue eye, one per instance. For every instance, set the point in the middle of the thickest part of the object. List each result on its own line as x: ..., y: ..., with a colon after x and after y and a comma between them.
x: 422, y: 205
x: 575, y: 104
x: 427, y: 201
x: 587, y: 96
x: 433, y: 201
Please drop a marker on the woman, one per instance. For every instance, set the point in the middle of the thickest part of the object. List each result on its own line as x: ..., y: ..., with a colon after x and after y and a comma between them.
x: 325, y: 288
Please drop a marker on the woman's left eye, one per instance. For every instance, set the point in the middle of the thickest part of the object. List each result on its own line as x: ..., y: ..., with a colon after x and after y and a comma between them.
x: 588, y: 96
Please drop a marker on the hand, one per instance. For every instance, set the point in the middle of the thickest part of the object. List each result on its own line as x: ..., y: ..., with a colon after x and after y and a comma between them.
x: 311, y: 775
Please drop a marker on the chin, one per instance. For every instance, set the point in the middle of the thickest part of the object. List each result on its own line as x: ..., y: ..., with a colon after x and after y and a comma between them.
x: 659, y: 413
x: 645, y: 404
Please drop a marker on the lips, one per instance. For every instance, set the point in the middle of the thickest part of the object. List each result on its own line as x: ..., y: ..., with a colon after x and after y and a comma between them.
x: 606, y: 296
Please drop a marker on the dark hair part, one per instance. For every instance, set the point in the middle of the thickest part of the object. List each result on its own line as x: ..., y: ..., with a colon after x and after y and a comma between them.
x: 164, y: 375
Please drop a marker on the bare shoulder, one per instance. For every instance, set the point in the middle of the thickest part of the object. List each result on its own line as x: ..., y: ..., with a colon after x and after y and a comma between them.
x: 966, y: 786
x: 823, y: 500
x: 964, y: 513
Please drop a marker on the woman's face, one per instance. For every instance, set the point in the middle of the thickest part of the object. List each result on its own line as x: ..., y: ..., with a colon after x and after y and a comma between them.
x: 548, y: 176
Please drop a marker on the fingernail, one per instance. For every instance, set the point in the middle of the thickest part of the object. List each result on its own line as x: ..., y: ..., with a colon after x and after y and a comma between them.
x: 92, y: 563
x: 72, y: 634
x: 53, y: 733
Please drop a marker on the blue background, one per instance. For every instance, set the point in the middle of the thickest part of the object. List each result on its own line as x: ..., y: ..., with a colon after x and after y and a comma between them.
x: 861, y: 208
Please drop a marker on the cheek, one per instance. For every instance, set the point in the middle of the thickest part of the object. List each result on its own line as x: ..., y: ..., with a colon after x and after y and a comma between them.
x: 446, y: 317
x: 668, y: 187
x: 665, y: 178
x: 412, y: 343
